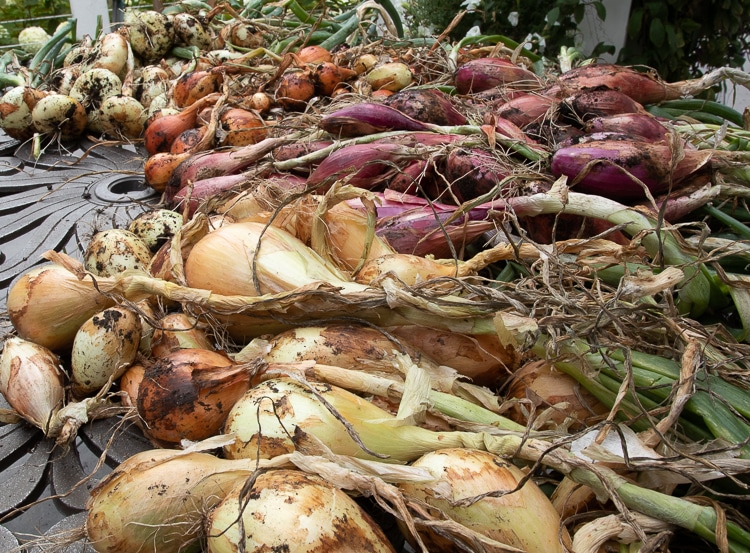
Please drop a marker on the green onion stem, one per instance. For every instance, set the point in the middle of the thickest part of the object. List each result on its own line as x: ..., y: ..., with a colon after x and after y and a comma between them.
x: 737, y: 226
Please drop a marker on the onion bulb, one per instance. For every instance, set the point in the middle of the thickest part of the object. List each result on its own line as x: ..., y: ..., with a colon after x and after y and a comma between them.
x: 111, y: 52
x: 289, y: 510
x: 189, y: 30
x: 122, y: 116
x: 314, y: 53
x: 156, y: 501
x: 224, y: 261
x: 271, y: 416
x: 113, y: 251
x: 391, y: 76
x: 242, y: 127
x: 547, y: 388
x: 151, y: 33
x: 523, y: 519
x: 15, y: 111
x: 156, y: 227
x: 103, y: 348
x: 179, y: 331
x: 31, y: 381
x: 48, y: 304
x: 188, y: 393
x: 294, y: 90
x: 60, y: 115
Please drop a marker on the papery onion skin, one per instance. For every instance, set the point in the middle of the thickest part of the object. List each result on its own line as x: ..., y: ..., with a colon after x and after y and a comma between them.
x: 156, y: 227
x: 288, y: 510
x: 179, y: 331
x: 103, y: 348
x: 188, y: 393
x: 524, y: 519
x: 48, y: 304
x: 155, y: 501
x: 31, y: 380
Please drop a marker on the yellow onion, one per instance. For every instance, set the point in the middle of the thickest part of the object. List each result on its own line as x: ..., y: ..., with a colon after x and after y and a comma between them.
x: 364, y: 63
x: 179, y: 331
x: 546, y: 388
x: 288, y: 510
x: 188, y: 393
x: 159, y: 168
x: 223, y: 261
x: 103, y: 348
x: 153, y: 82
x: 31, y: 381
x: 482, y: 357
x: 411, y: 269
x: 295, y: 89
x: 391, y: 76
x: 189, y: 140
x: 268, y: 419
x: 156, y: 501
x: 328, y: 76
x: 524, y: 519
x: 314, y: 53
x: 129, y: 383
x: 163, y: 127
x: 242, y: 34
x: 48, y: 304
x: 113, y: 251
x: 156, y: 227
x: 242, y: 127
x: 193, y: 86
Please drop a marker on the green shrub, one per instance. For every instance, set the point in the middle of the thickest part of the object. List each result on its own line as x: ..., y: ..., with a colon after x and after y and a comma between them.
x: 11, y: 10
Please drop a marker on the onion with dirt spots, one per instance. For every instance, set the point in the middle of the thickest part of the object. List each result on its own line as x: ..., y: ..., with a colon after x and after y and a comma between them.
x: 288, y: 510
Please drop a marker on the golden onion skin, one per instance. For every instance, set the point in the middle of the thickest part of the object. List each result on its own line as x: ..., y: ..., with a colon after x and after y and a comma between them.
x: 288, y: 510
x: 524, y: 519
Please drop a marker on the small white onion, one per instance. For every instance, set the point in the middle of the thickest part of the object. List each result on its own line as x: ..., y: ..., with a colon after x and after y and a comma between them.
x: 94, y: 86
x: 61, y: 115
x: 151, y: 33
x: 113, y: 251
x: 111, y: 52
x: 191, y: 31
x: 104, y: 347
x: 122, y: 116
x: 156, y: 227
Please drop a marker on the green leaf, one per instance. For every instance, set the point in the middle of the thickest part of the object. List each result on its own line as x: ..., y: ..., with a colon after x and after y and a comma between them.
x: 579, y: 12
x: 552, y: 16
x: 656, y: 32
x: 601, y: 10
x: 635, y: 22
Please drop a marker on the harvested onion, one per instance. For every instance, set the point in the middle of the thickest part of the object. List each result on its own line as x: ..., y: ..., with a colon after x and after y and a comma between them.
x: 113, y: 251
x: 187, y: 394
x: 103, y: 348
x: 48, y: 304
x: 522, y: 518
x: 315, y: 516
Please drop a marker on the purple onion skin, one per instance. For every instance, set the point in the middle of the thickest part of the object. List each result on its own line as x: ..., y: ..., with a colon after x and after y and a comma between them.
x: 587, y: 104
x: 364, y: 165
x: 368, y: 118
x: 485, y: 73
x: 428, y: 105
x: 641, y: 125
x: 614, y: 159
x: 472, y: 173
x: 420, y: 231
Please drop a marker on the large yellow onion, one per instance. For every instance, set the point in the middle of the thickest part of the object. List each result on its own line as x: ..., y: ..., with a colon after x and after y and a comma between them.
x: 48, y: 304
x: 156, y: 501
x: 31, y: 381
x: 288, y: 510
x: 179, y: 331
x: 224, y: 261
x: 103, y: 348
x: 188, y: 393
x: 524, y: 519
